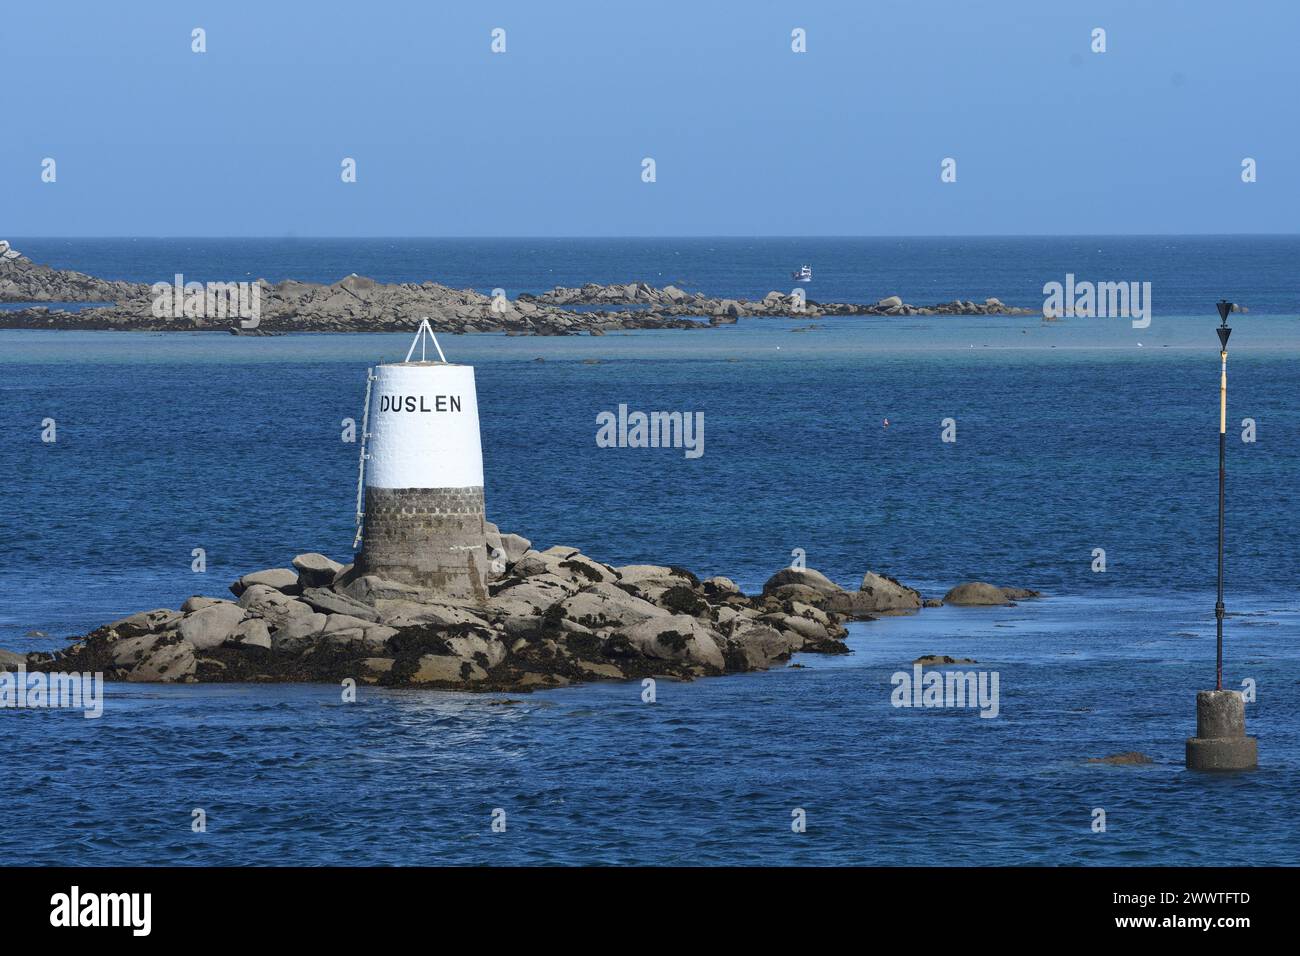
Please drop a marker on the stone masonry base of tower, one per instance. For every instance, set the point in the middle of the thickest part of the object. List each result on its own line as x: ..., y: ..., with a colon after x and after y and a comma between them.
x: 432, y: 538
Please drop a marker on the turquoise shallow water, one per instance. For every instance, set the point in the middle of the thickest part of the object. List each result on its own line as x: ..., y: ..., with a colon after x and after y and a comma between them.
x: 1070, y: 437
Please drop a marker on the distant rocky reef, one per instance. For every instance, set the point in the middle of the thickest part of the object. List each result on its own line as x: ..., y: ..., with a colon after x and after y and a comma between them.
x: 358, y: 304
x: 552, y: 618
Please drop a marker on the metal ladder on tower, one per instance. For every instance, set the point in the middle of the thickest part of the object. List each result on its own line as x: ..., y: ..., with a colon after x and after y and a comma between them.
x: 361, y: 461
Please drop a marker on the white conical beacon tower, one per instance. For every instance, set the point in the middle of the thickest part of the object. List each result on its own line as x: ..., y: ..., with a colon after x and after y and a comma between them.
x: 422, y: 470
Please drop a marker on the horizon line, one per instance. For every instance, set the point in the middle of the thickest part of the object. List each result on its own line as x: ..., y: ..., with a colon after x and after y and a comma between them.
x: 535, y: 238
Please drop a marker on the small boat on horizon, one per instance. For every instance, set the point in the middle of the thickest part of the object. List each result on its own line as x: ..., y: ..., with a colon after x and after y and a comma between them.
x: 804, y: 274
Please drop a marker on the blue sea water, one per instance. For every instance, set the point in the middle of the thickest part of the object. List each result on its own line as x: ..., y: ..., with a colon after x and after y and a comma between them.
x: 1071, y: 436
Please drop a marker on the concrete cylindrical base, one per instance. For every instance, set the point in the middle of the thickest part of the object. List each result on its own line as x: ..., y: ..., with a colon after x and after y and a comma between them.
x: 1222, y: 753
x: 1220, y: 713
x: 432, y: 538
x: 1221, y: 742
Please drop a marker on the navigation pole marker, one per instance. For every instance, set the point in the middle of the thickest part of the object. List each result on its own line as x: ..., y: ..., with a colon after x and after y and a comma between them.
x: 1221, y: 742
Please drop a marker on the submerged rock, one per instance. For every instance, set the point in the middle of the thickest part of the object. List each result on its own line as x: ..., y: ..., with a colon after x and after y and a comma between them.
x: 976, y: 593
x: 1131, y: 757
x: 980, y: 593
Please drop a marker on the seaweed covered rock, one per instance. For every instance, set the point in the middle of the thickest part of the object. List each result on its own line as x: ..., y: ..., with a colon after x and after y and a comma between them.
x: 877, y: 593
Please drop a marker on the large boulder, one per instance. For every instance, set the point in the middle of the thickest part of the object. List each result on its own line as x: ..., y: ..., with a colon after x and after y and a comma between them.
x: 508, y: 547
x: 532, y: 595
x: 811, y: 631
x: 522, y: 628
x: 316, y: 570
x: 515, y: 547
x: 369, y: 588
x: 343, y: 629
x: 131, y: 650
x: 720, y: 587
x: 408, y: 613
x: 486, y: 652
x: 275, y: 606
x: 758, y: 646
x: 294, y: 624
x: 252, y: 632
x: 976, y: 593
x: 607, y: 605
x: 298, y: 631
x: 331, y: 602
x: 839, y: 601
x: 567, y: 563
x: 496, y: 555
x: 652, y: 576
x: 282, y: 579
x: 197, y: 601
x: 446, y: 669
x: 147, y: 622
x: 880, y: 592
x: 210, y: 626
x: 166, y: 663
x: 802, y: 576
x: 680, y: 599
x: 9, y: 661
x: 677, y: 637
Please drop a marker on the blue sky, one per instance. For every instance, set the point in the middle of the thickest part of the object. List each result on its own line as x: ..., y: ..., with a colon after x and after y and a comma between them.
x: 748, y: 137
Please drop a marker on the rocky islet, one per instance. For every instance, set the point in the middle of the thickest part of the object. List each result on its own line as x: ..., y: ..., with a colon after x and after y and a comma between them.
x: 359, y: 304
x: 551, y: 618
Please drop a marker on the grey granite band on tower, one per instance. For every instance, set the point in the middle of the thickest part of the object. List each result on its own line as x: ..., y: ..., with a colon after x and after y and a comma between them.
x: 431, y: 538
